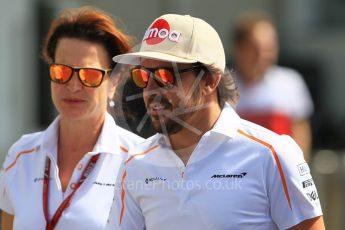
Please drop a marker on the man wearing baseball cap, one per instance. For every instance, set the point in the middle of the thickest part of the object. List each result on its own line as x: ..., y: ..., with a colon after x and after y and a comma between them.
x: 206, y: 168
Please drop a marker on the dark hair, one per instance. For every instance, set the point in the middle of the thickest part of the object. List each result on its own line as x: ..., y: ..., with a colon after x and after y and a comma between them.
x: 87, y: 24
x: 227, y: 90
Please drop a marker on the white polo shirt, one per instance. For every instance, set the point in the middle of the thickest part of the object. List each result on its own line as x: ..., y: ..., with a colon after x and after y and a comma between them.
x: 21, y: 179
x: 240, y: 176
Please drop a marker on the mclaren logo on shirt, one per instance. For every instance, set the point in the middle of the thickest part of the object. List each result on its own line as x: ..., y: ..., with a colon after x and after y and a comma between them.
x: 241, y: 175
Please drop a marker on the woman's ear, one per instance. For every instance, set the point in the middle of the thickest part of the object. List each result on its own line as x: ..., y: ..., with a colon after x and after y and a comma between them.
x: 114, y: 82
x: 211, y: 83
x: 112, y: 88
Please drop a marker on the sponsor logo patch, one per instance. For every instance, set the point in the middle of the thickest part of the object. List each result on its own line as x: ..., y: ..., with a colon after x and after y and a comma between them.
x: 313, y: 196
x: 307, y: 183
x: 153, y: 179
x: 159, y: 31
x: 37, y: 179
x: 303, y: 169
x: 104, y: 184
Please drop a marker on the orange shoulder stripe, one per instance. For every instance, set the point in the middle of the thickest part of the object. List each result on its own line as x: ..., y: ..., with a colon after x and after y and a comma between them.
x: 281, y: 172
x: 17, y: 157
x: 123, y: 192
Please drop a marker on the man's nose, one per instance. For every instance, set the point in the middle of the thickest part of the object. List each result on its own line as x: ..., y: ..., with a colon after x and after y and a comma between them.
x: 152, y: 84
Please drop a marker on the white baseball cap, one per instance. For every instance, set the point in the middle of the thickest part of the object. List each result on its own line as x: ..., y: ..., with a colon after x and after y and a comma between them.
x: 180, y: 39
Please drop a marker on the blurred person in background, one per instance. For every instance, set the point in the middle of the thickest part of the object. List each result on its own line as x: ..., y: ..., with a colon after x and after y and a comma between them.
x: 64, y: 177
x: 272, y: 96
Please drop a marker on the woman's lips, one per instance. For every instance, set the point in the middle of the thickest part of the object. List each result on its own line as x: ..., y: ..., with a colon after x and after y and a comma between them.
x: 73, y: 100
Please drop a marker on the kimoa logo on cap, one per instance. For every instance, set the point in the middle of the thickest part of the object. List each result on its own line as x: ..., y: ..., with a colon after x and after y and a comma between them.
x: 159, y: 31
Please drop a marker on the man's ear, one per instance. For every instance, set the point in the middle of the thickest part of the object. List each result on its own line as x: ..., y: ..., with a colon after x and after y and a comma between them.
x: 211, y: 83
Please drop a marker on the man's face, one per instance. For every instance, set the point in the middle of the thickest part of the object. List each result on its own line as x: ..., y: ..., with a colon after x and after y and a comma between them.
x: 171, y: 108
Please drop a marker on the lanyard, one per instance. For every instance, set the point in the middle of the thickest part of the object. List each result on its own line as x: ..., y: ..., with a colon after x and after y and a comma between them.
x: 51, y: 224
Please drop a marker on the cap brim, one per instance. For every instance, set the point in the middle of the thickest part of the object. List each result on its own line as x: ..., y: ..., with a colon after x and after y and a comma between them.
x: 135, y: 58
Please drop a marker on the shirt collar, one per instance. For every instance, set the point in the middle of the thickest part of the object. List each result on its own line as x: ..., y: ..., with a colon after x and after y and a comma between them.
x: 228, y: 122
x: 50, y: 139
x: 225, y: 128
x: 106, y: 141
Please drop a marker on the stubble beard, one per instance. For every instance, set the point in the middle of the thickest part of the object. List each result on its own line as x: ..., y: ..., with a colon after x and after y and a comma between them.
x: 165, y: 122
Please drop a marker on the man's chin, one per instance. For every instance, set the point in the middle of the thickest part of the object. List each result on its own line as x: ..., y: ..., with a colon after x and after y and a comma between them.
x: 165, y: 127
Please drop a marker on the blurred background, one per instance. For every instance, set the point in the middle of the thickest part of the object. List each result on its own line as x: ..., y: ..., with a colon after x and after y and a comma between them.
x: 312, y: 41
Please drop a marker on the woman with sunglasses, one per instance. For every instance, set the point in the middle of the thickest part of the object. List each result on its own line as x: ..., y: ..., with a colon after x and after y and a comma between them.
x: 64, y: 177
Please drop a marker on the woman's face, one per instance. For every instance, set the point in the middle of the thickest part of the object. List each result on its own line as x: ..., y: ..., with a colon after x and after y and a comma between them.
x: 72, y: 100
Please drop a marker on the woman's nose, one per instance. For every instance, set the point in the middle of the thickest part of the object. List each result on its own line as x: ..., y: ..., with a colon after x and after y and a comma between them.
x: 74, y: 84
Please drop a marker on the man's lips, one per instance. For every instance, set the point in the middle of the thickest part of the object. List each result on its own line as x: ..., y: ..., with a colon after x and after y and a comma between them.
x: 158, y: 108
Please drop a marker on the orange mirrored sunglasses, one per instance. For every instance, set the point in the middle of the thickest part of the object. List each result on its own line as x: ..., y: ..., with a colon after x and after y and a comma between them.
x: 164, y: 77
x: 89, y: 77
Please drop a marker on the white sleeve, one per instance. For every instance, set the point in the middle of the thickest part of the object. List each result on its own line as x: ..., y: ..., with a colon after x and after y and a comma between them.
x: 302, y: 106
x: 125, y: 213
x: 291, y: 189
x: 5, y: 201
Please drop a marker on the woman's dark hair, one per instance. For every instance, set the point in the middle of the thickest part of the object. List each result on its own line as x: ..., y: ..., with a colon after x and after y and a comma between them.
x: 87, y: 24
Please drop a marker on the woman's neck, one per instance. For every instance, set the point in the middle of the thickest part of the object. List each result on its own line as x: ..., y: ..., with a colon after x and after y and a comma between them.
x: 79, y: 135
x: 76, y: 138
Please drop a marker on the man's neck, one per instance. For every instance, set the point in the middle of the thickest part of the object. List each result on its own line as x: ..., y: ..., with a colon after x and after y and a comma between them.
x: 184, y: 142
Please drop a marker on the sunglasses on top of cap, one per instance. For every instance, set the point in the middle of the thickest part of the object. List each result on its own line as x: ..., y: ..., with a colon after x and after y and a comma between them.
x: 163, y: 76
x: 89, y: 77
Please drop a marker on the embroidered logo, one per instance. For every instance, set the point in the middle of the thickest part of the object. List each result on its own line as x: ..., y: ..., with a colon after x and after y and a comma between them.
x: 159, y: 31
x: 307, y: 183
x: 313, y: 196
x: 153, y: 179
x: 303, y: 169
x: 241, y: 175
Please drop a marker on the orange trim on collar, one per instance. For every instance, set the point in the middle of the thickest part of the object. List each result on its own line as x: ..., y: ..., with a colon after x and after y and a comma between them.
x: 124, y: 149
x: 123, y: 192
x: 140, y: 154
